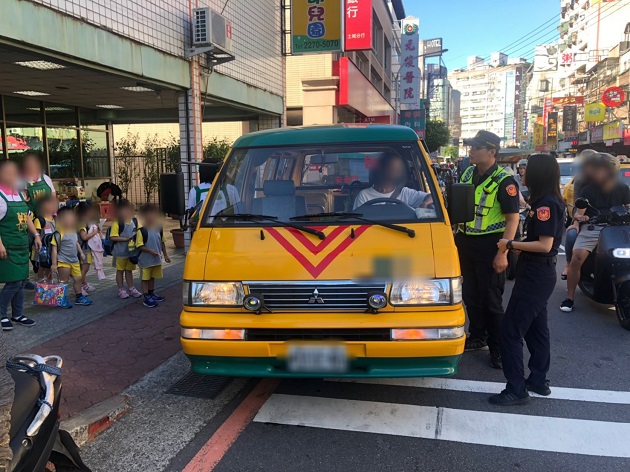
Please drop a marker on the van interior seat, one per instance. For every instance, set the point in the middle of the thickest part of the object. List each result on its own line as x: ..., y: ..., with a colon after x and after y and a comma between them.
x: 280, y: 200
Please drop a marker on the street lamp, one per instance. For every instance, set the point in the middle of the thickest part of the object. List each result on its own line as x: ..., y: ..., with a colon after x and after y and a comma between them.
x: 397, y: 82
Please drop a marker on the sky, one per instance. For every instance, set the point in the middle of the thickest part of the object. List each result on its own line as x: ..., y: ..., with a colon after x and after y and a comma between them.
x: 480, y: 27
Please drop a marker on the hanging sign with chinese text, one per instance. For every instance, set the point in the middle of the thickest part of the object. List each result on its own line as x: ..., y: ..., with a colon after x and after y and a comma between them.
x: 358, y: 25
x: 416, y: 120
x: 569, y: 118
x: 595, y: 112
x: 552, y: 126
x: 409, y: 72
x: 613, y: 97
x: 316, y: 26
x: 569, y: 100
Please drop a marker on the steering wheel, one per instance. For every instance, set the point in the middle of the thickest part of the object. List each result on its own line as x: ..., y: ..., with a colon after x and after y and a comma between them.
x: 390, y: 201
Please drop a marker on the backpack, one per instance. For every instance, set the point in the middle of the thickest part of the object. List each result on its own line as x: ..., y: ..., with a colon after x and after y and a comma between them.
x: 135, y: 254
x: 108, y: 244
x: 44, y: 256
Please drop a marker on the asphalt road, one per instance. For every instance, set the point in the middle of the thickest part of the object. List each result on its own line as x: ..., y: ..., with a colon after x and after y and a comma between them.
x: 394, y: 424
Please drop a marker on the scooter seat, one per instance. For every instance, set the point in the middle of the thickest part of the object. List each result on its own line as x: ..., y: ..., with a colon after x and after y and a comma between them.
x: 27, y: 391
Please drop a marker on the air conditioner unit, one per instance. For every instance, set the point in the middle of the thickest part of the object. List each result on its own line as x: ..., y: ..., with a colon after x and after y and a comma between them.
x: 210, y: 29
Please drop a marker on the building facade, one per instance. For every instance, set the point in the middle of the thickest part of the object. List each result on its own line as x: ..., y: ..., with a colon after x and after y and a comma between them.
x: 353, y: 87
x: 129, y: 62
x: 492, y: 97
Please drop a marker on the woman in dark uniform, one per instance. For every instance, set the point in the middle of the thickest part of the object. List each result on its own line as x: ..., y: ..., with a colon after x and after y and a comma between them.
x: 526, y: 314
x: 15, y: 224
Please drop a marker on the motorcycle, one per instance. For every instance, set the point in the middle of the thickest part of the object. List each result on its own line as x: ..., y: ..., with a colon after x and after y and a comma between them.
x: 605, y: 276
x: 35, y: 437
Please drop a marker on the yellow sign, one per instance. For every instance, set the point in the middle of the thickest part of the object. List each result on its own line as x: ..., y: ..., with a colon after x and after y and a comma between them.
x: 315, y: 26
x: 613, y: 131
x: 539, y: 134
x: 595, y: 112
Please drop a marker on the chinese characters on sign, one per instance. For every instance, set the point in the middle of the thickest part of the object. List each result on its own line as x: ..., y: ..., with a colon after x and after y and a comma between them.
x: 566, y: 58
x: 409, y: 90
x: 570, y: 100
x: 613, y: 97
x: 569, y: 118
x: 316, y: 26
x: 414, y: 119
x: 358, y: 22
x: 552, y: 126
x: 595, y: 112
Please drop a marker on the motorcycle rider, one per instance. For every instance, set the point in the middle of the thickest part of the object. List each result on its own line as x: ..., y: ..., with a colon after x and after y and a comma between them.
x: 519, y: 177
x: 604, y: 192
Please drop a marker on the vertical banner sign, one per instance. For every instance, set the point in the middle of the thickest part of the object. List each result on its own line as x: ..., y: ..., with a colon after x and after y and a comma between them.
x: 539, y: 136
x: 409, y: 90
x: 552, y: 127
x: 358, y: 25
x: 316, y: 26
x: 414, y: 119
x: 569, y: 118
x: 517, y: 128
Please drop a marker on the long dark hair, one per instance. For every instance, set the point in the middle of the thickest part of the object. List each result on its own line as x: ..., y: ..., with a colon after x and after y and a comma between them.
x: 542, y: 177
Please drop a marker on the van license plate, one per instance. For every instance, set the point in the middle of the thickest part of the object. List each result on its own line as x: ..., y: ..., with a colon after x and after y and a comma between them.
x: 313, y: 359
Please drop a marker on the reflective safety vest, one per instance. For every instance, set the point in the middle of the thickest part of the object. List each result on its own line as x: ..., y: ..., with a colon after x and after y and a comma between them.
x: 489, y: 218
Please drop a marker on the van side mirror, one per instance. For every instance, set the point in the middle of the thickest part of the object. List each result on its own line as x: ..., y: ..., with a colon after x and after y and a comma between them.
x: 461, y: 203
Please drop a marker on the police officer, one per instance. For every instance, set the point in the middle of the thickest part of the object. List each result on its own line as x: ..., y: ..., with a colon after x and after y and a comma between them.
x: 526, y: 314
x: 483, y: 266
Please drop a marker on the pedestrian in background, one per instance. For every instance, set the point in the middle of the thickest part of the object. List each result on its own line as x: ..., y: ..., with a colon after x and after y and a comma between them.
x: 122, y: 233
x: 483, y: 266
x: 526, y: 314
x: 86, y: 217
x: 207, y: 172
x: 15, y: 225
x: 582, y: 179
x: 45, y: 224
x: 36, y: 183
x: 150, y: 240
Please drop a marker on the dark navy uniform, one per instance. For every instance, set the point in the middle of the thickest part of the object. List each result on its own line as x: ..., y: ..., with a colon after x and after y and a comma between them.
x: 526, y: 314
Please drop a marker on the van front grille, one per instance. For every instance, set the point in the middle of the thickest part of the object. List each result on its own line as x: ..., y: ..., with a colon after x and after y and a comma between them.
x: 297, y: 296
x: 372, y: 334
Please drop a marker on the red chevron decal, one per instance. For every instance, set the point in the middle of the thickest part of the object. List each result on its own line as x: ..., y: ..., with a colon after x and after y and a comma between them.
x: 316, y: 269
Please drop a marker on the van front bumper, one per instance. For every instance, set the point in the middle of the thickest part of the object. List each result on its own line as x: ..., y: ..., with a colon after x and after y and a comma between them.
x: 367, y: 359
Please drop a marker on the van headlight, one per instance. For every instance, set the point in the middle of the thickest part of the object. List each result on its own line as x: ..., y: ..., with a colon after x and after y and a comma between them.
x: 213, y: 294
x: 621, y: 253
x: 427, y: 292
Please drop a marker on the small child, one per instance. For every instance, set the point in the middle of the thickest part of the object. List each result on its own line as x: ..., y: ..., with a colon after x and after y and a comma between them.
x: 66, y: 251
x: 122, y: 233
x: 87, y: 230
x: 45, y: 225
x: 150, y: 242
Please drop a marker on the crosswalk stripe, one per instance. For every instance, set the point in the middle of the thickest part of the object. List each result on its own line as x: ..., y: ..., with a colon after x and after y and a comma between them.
x: 460, y: 385
x: 574, y: 436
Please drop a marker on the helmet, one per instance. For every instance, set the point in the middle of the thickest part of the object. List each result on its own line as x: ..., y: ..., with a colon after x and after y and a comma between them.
x: 522, y: 163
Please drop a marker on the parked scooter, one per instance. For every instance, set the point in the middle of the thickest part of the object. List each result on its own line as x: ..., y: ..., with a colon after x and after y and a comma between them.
x: 605, y: 274
x: 35, y: 437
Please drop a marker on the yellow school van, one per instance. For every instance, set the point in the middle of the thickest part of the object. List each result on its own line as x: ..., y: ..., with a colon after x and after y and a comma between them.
x: 326, y: 251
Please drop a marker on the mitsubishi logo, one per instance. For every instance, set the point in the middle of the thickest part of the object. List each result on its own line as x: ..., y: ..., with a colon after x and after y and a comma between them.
x: 315, y: 298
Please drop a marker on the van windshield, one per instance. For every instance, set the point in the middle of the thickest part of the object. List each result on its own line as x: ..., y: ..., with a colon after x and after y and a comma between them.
x: 337, y: 183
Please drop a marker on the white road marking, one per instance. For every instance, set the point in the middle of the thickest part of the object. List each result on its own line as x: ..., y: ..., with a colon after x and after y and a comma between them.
x: 574, y: 436
x: 561, y: 248
x: 557, y: 393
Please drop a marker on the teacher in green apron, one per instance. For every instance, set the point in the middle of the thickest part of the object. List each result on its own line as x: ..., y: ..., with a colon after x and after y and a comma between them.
x: 37, y: 184
x: 15, y: 225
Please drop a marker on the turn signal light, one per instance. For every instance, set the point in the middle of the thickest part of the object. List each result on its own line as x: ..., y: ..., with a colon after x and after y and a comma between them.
x: 423, y: 334
x: 225, y: 334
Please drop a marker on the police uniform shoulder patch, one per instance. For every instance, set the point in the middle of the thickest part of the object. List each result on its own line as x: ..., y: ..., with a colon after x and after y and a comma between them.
x: 543, y: 213
x: 511, y: 190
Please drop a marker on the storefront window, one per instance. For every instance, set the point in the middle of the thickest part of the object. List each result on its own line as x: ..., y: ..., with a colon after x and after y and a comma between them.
x: 63, y: 153
x: 21, y: 139
x: 21, y: 110
x: 60, y: 115
x: 90, y: 119
x: 95, y: 155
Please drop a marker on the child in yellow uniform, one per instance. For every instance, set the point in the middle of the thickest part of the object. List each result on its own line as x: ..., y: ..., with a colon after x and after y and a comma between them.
x: 66, y: 252
x: 87, y: 230
x: 150, y: 241
x: 45, y: 225
x: 123, y: 234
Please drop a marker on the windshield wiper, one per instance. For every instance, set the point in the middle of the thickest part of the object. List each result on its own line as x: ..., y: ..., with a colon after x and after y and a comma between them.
x: 274, y: 219
x: 357, y: 216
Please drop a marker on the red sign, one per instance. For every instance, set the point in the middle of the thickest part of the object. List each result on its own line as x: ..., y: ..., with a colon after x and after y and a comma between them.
x: 571, y: 100
x: 377, y: 119
x: 358, y: 25
x: 613, y: 97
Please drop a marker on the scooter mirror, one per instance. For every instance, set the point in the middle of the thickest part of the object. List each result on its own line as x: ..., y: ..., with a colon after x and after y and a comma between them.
x: 582, y: 203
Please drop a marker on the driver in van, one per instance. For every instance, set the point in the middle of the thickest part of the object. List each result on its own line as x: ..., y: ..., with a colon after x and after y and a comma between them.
x: 604, y: 192
x: 390, y: 180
